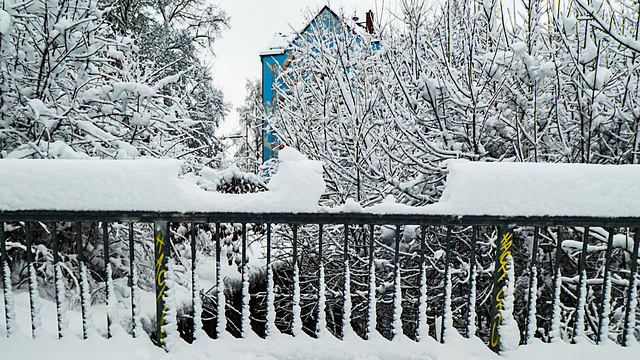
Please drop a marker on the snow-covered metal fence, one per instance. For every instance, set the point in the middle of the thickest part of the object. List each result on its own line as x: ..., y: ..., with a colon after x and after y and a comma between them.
x: 545, y: 301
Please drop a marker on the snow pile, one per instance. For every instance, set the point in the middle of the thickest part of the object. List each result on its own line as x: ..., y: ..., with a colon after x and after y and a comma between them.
x: 472, y: 188
x: 279, y: 43
x: 534, y: 189
x: 149, y: 185
x: 526, y: 189
x: 212, y: 179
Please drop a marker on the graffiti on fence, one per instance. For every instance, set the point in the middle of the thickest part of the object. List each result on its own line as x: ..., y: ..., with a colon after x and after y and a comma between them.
x: 503, y: 256
x: 161, y: 248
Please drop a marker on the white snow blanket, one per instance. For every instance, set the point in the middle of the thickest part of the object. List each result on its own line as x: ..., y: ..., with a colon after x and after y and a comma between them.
x: 534, y: 189
x: 472, y: 188
x: 149, y: 185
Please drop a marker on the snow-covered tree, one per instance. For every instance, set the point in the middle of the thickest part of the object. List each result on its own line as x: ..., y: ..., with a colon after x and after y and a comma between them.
x: 76, y: 86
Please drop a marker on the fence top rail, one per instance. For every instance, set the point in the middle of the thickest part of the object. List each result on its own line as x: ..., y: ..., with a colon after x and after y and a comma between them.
x: 316, y: 218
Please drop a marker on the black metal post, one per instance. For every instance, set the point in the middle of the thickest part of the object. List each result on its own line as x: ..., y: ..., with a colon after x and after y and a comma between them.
x: 81, y: 268
x: 371, y: 241
x: 346, y: 321
x: 472, y: 283
x: 372, y: 285
x: 606, y: 283
x: 447, y: 291
x: 193, y: 278
x: 296, y: 284
x: 556, y: 276
x: 161, y: 245
x: 320, y: 277
x: 422, y: 280
x: 633, y: 271
x: 294, y: 243
x: 268, y: 245
x: 532, y: 273
x: 582, y: 278
x: 221, y: 299
x: 56, y: 259
x: 132, y: 277
x: 503, y: 244
x: 107, y: 272
x: 269, y: 325
x: 5, y: 287
x: 244, y: 279
x: 32, y: 276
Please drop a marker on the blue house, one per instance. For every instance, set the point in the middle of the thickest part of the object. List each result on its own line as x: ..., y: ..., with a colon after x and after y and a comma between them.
x: 278, y: 57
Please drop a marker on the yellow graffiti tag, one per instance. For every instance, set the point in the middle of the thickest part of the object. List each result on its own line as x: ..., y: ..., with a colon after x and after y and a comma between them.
x: 505, y: 256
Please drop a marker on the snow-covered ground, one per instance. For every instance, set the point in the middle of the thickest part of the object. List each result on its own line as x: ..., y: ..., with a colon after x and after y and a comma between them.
x: 124, y: 347
x: 281, y: 347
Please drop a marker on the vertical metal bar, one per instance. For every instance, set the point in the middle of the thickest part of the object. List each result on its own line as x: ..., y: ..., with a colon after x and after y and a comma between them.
x: 107, y: 271
x: 270, y: 326
x: 397, y: 288
x: 320, y: 230
x: 606, y: 283
x: 243, y: 303
x: 244, y: 246
x: 372, y: 229
x: 396, y: 253
x: 80, y: 252
x: 218, y: 267
x: 132, y: 279
x: 56, y: 259
x: 193, y: 278
x: 422, y: 331
x: 295, y: 269
x: 294, y: 243
x: 32, y: 276
x: 532, y: 274
x: 269, y: 245
x: 221, y: 325
x: 503, y: 254
x: 557, y: 287
x: 578, y: 323
x: 372, y: 285
x: 161, y: 246
x: 447, y: 294
x: 472, y: 284
x: 632, y: 276
x: 345, y: 252
x: 5, y: 286
x: 422, y: 246
x: 346, y: 296
x: 296, y: 325
x: 320, y: 278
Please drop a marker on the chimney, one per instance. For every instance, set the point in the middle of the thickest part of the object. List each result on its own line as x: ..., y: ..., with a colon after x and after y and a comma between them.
x: 369, y: 23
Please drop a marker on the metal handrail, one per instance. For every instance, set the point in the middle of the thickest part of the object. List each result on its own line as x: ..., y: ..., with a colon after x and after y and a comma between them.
x: 505, y: 226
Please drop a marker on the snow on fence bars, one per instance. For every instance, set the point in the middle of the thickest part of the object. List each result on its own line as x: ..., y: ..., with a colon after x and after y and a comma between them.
x: 503, y: 279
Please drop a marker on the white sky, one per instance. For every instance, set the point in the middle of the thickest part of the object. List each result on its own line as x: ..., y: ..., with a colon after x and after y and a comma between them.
x: 253, y: 23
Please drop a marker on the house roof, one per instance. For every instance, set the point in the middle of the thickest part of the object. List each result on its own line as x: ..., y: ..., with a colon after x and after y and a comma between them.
x: 283, y: 41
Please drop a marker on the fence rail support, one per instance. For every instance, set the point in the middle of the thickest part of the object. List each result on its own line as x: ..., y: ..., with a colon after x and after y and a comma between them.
x: 33, y: 281
x: 629, y: 308
x: 502, y: 262
x: 603, y: 312
x: 161, y: 246
x: 530, y: 320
